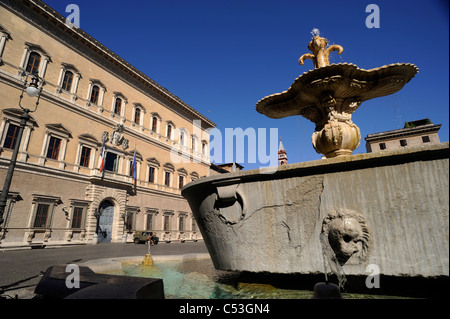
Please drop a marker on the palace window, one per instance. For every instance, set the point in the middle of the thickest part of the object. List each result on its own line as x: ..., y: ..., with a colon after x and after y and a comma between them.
x: 111, y: 162
x: 382, y: 146
x: 119, y: 102
x: 33, y: 63
x: 43, y: 208
x: 40, y: 219
x: 4, y: 36
x: 170, y: 128
x: 154, y: 123
x: 204, y: 148
x: 34, y: 60
x: 137, y: 116
x: 53, y: 148
x: 87, y: 150
x: 11, y: 136
x: 151, y: 174
x: 181, y: 222
x: 129, y: 221
x: 182, y: 138
x: 55, y: 143
x: 169, y: 131
x: 94, y: 94
x: 180, y: 182
x: 67, y: 81
x: 9, y: 130
x: 85, y: 156
x: 78, y: 213
x: 169, y: 170
x: 152, y: 170
x: 150, y: 218
x: 167, y: 179
x: 403, y: 143
x: 118, y: 106
x: 425, y: 139
x: 77, y: 217
x: 194, y: 143
x: 166, y: 222
x: 182, y: 174
x: 149, y: 223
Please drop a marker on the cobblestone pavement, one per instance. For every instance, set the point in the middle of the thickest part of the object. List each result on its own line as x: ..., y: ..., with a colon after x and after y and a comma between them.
x: 21, y: 270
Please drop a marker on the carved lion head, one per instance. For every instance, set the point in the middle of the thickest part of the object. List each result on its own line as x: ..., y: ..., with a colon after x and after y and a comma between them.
x: 348, y: 235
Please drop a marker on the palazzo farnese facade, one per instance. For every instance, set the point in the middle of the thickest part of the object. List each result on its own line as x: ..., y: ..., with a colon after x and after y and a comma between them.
x: 58, y: 195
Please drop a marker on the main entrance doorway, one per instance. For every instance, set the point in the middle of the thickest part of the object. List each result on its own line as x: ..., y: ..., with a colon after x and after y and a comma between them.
x: 105, y: 221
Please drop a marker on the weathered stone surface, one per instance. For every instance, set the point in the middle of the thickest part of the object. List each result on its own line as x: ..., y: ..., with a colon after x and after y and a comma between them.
x: 277, y: 219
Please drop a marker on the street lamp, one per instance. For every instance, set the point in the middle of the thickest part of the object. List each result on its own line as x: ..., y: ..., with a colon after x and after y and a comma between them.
x: 32, y: 90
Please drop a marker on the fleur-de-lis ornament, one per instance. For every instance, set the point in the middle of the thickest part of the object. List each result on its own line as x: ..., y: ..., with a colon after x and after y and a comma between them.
x: 318, y: 47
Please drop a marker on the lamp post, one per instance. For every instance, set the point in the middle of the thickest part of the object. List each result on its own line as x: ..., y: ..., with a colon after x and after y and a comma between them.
x: 32, y: 90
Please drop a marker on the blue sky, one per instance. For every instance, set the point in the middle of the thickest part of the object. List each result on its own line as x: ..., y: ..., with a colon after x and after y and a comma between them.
x: 222, y: 57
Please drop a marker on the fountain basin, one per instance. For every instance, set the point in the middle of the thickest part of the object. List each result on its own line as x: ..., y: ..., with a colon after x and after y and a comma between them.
x: 389, y: 209
x: 344, y: 82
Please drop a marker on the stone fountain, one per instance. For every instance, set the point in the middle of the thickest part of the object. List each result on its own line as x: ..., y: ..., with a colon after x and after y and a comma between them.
x: 386, y: 212
x: 330, y: 94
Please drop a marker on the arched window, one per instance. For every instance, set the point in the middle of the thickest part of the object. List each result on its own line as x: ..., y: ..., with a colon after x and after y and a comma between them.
x: 67, y: 81
x: 94, y: 94
x: 118, y: 106
x: 137, y: 116
x: 182, y: 138
x: 194, y: 143
x: 169, y: 131
x: 154, y: 123
x: 33, y: 63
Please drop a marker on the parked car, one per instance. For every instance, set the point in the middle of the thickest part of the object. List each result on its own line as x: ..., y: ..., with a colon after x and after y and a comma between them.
x: 141, y: 236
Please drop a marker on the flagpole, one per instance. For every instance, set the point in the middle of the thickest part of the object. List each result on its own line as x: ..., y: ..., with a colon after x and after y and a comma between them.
x: 135, y: 170
x: 102, y: 163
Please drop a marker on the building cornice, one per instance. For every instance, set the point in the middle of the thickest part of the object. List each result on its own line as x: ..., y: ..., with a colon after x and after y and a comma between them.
x: 433, y: 128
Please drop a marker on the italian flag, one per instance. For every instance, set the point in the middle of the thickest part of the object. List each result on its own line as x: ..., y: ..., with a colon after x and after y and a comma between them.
x: 102, y: 156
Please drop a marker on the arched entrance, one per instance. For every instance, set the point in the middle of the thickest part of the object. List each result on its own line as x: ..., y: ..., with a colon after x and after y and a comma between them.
x: 105, y: 221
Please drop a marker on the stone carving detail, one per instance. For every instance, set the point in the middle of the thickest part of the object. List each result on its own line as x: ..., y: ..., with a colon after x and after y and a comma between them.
x: 230, y: 204
x: 347, y: 234
x: 117, y: 137
x: 336, y: 138
x: 320, y: 51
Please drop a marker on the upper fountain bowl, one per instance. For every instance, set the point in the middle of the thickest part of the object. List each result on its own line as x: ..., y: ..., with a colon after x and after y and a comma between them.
x: 347, y: 84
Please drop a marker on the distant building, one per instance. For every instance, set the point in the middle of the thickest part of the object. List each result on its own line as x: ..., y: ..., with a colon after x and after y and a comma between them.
x: 414, y: 133
x: 282, y: 156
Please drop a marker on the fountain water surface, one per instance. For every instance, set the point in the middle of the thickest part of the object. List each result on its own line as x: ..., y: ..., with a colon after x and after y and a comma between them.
x: 198, y: 279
